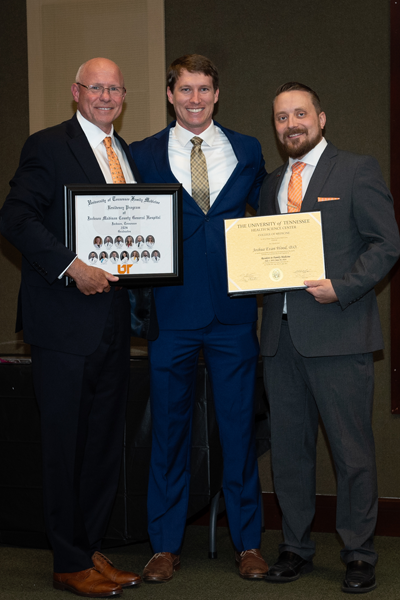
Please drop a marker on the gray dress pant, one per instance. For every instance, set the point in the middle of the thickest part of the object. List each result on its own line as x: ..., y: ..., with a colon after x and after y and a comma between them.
x: 340, y: 390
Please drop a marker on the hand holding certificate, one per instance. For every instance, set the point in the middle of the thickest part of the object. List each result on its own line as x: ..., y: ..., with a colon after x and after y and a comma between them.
x: 273, y: 253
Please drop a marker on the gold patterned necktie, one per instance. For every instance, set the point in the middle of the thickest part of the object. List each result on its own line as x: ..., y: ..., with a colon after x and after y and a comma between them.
x: 115, y: 167
x: 198, y: 170
x: 295, y: 187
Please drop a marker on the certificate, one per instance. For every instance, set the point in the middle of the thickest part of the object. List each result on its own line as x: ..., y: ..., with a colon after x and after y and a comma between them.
x: 274, y: 253
x: 133, y: 231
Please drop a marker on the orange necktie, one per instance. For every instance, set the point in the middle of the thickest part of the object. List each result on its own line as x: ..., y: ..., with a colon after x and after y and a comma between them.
x: 295, y: 188
x: 115, y: 167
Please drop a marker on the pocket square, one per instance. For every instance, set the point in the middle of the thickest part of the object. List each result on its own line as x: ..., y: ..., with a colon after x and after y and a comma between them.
x: 327, y: 199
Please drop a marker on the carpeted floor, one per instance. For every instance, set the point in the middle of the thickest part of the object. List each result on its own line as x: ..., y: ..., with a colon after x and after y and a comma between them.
x: 26, y: 574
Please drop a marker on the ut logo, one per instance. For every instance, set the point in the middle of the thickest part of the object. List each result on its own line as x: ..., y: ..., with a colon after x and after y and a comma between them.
x: 122, y: 269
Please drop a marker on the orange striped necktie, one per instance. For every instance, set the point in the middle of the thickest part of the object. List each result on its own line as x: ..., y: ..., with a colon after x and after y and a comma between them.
x: 115, y: 167
x: 295, y: 187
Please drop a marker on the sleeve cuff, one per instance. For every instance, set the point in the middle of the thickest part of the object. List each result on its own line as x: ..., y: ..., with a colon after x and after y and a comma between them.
x: 66, y: 269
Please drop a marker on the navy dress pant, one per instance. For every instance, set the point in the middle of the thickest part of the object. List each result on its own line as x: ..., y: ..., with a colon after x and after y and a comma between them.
x: 231, y: 354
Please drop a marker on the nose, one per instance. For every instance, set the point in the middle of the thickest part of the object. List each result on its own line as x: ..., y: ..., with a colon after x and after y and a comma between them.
x: 105, y: 95
x: 291, y: 122
x: 195, y: 97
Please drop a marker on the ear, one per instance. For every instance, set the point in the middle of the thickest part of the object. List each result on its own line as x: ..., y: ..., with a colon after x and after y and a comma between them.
x: 322, y: 119
x: 75, y: 91
x: 216, y: 96
x: 170, y: 95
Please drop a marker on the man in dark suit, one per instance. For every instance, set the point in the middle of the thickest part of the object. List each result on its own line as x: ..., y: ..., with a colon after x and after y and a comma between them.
x: 79, y: 335
x: 226, y: 172
x: 317, y: 343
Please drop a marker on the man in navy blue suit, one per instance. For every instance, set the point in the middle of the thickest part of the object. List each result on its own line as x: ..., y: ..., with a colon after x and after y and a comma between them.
x: 200, y: 315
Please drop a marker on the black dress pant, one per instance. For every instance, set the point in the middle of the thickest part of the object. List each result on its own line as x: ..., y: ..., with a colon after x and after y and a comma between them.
x: 82, y: 402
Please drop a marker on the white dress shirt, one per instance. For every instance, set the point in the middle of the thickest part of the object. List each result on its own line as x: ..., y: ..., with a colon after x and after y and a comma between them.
x: 220, y: 157
x: 311, y: 159
x: 95, y: 137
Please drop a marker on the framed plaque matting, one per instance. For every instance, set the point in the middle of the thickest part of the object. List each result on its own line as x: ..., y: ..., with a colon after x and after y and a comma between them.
x: 133, y: 231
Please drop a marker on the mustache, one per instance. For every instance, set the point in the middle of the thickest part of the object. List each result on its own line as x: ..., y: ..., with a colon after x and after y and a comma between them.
x: 294, y: 131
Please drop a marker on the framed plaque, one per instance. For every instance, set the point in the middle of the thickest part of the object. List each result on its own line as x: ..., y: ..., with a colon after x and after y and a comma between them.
x: 133, y: 231
x: 273, y: 253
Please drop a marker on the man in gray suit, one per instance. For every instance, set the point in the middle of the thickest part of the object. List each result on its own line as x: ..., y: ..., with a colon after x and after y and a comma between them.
x: 317, y: 343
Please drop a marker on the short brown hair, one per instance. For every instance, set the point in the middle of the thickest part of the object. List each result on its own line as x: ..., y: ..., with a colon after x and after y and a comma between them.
x: 293, y: 86
x: 194, y: 63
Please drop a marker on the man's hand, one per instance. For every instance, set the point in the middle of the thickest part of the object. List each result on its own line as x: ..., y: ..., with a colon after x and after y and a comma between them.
x: 322, y: 290
x: 90, y: 280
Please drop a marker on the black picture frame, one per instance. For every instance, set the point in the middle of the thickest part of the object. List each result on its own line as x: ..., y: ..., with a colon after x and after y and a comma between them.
x: 96, y: 213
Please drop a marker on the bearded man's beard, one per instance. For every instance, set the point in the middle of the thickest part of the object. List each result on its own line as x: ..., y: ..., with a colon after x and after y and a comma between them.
x: 297, y: 147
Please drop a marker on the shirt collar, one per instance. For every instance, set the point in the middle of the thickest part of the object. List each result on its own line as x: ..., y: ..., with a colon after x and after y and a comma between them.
x: 94, y: 134
x: 184, y: 135
x: 312, y: 157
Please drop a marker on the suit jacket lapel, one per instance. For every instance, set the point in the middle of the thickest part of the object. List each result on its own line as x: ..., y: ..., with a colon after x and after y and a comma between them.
x: 237, y: 147
x: 161, y: 159
x: 81, y: 149
x: 320, y: 175
x: 278, y: 182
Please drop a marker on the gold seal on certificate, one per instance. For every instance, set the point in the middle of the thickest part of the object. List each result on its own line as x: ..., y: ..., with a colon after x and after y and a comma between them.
x: 276, y: 274
x: 274, y: 253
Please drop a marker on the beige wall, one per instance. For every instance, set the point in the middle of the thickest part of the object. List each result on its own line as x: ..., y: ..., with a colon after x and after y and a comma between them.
x: 62, y: 34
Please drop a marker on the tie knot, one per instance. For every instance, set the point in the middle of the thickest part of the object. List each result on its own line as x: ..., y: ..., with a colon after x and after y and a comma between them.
x: 297, y: 167
x: 196, y: 141
x: 107, y: 142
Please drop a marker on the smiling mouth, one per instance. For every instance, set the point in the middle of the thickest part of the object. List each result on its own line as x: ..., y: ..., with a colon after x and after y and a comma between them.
x: 294, y: 135
x: 195, y: 110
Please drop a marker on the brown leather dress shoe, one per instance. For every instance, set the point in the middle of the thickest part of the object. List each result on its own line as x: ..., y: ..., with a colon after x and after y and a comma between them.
x: 251, y: 564
x: 106, y: 568
x: 161, y: 567
x: 89, y: 583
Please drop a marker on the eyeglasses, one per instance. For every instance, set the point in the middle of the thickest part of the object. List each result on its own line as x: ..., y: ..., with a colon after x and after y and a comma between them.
x: 98, y: 90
